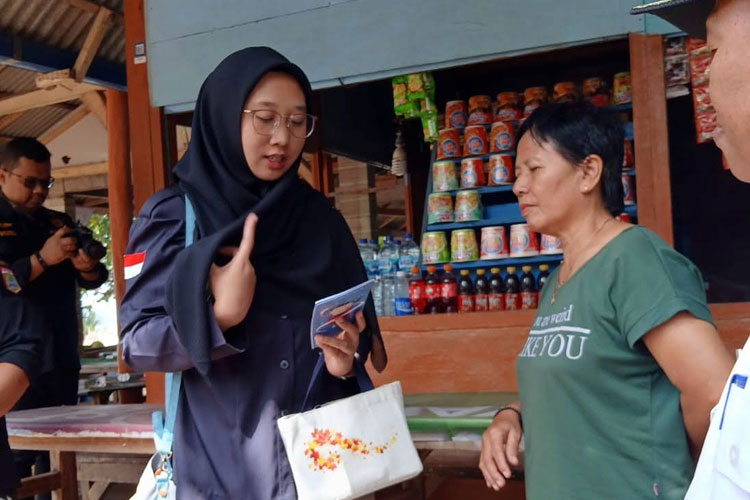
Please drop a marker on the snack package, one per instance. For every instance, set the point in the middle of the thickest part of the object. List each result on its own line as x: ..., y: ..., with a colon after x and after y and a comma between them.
x: 415, y: 89
x: 702, y: 100
x: 676, y: 46
x: 697, y: 47
x: 399, y: 94
x: 705, y: 124
x: 676, y: 70
x: 699, y: 66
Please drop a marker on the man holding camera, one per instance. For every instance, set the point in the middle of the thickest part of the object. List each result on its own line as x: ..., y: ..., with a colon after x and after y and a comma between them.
x: 44, y: 255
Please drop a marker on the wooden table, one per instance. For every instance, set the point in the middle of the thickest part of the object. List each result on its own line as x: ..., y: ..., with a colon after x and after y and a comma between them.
x: 90, y: 446
x: 93, y: 446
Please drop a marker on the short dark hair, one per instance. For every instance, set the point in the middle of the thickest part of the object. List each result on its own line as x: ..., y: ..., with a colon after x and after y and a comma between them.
x: 26, y: 147
x: 577, y: 130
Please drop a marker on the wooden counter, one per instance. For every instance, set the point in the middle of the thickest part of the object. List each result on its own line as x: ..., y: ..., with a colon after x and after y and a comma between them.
x: 476, y: 352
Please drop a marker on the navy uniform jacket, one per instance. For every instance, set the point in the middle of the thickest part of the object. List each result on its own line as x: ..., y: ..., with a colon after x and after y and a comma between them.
x: 226, y: 442
x: 53, y: 293
x: 19, y: 345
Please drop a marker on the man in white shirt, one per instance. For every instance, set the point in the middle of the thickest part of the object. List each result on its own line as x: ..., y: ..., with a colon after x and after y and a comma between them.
x: 723, y: 471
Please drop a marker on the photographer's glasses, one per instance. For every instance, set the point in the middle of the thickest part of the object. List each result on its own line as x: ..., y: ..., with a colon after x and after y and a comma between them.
x: 266, y: 121
x: 30, y: 182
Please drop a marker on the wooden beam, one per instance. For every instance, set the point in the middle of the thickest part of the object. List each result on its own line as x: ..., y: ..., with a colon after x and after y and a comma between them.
x: 40, y: 483
x: 65, y: 463
x: 95, y: 103
x: 93, y: 8
x: 91, y: 44
x: 84, y: 170
x: 8, y: 119
x: 66, y: 90
x: 653, y: 190
x: 45, y: 80
x: 63, y: 125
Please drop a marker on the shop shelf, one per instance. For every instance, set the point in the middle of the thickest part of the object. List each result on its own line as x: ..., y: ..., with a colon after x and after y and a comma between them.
x: 534, y: 260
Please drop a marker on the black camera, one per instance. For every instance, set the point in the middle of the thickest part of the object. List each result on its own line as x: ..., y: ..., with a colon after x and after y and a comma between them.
x: 85, y: 240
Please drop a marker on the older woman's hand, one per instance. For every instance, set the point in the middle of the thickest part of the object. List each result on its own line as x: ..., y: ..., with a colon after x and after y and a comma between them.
x: 233, y: 284
x: 338, y: 351
x: 500, y: 449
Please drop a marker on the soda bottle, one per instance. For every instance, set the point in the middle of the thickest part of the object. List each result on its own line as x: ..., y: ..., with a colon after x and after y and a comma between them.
x: 496, y: 297
x: 432, y: 291
x: 542, y: 277
x: 512, y: 290
x: 417, y: 291
x: 465, y: 292
x: 449, y: 290
x: 482, y: 288
x: 401, y: 301
x: 528, y: 289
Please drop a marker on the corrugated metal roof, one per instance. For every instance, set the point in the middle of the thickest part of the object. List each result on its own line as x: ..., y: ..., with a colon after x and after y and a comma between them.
x: 35, y: 122
x: 60, y: 24
x: 16, y: 80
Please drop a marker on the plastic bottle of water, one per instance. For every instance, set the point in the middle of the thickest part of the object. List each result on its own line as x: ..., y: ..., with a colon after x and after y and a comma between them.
x: 409, y: 254
x: 377, y: 295
x: 401, y: 301
x: 388, y: 294
x: 387, y: 257
x: 369, y: 257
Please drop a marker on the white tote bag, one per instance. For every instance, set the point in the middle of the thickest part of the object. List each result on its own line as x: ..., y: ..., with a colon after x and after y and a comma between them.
x: 350, y: 447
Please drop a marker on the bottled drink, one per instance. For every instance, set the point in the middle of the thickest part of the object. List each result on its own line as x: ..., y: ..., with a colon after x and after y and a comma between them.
x: 432, y: 291
x: 387, y: 256
x: 401, y: 301
x: 417, y: 291
x: 482, y: 289
x: 449, y: 290
x: 408, y: 254
x: 465, y: 292
x: 369, y: 257
x: 496, y: 297
x: 377, y: 295
x: 388, y: 294
x: 512, y: 290
x: 528, y: 289
x: 542, y: 277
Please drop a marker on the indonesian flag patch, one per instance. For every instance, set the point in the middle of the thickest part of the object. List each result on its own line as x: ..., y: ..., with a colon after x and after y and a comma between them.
x: 134, y: 264
x: 9, y: 280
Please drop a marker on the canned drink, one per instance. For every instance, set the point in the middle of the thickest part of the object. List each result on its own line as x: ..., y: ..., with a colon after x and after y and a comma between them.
x: 464, y: 245
x: 550, y: 245
x: 475, y: 140
x: 472, y: 173
x: 508, y: 106
x: 628, y: 189
x: 435, y: 248
x: 503, y: 137
x: 455, y: 114
x: 468, y: 206
x: 622, y: 90
x: 501, y: 170
x: 439, y: 208
x: 444, y: 176
x: 480, y: 110
x: 449, y: 145
x: 523, y: 241
x: 494, y: 243
x: 565, y: 92
x: 535, y: 94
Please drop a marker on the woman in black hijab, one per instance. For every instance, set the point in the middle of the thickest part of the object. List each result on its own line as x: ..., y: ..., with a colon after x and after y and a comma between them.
x: 238, y: 327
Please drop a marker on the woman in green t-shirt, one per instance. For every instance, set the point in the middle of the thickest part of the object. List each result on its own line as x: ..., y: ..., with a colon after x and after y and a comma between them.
x: 622, y: 364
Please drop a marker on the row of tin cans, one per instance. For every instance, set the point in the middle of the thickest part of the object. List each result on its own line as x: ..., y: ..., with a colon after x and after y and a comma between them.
x: 502, y: 139
x: 499, y: 171
x: 494, y: 244
x: 440, y: 207
x: 511, y: 105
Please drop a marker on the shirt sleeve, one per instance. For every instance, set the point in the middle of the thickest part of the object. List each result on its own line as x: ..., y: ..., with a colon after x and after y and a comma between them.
x: 20, y: 335
x: 99, y: 281
x: 9, y: 243
x: 149, y: 339
x: 651, y: 284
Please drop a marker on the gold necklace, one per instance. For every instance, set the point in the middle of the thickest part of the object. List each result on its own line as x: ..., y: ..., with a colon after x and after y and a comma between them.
x: 559, y: 282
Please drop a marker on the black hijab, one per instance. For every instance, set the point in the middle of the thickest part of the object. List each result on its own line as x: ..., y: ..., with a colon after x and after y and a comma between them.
x: 303, y: 249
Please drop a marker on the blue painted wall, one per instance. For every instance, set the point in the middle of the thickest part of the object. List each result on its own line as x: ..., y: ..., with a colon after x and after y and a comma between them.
x: 347, y: 41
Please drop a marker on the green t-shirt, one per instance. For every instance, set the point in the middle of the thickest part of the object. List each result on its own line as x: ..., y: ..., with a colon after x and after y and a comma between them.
x: 601, y: 419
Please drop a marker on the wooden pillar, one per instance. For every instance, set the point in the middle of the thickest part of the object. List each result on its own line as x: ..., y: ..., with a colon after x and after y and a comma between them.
x: 65, y: 463
x: 653, y: 189
x: 145, y: 121
x: 145, y: 139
